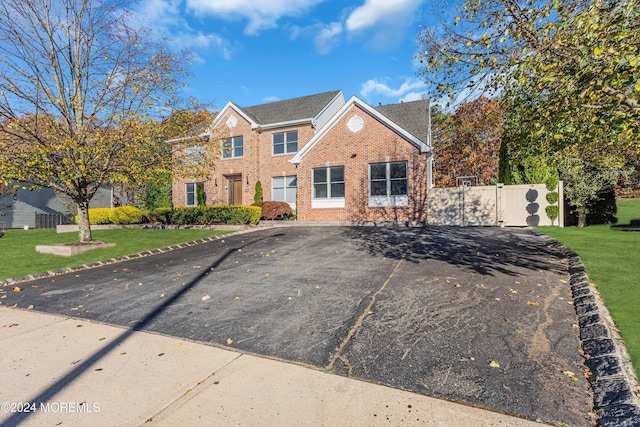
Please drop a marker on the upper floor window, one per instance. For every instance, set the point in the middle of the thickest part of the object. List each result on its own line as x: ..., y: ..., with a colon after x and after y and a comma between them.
x: 194, y: 154
x: 233, y: 147
x: 328, y: 183
x: 285, y: 142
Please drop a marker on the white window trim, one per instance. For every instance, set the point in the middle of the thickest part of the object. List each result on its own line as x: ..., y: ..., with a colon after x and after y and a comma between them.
x: 400, y: 200
x: 195, y: 193
x: 286, y: 153
x: 327, y: 202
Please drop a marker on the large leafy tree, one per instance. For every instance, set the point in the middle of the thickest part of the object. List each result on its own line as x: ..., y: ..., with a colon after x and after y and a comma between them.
x: 469, y: 142
x: 81, y: 89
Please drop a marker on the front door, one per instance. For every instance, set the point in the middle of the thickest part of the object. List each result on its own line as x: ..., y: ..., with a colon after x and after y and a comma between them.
x: 235, y: 189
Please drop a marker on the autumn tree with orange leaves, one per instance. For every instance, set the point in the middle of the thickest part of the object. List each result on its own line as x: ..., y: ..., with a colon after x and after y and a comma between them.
x: 468, y: 142
x: 82, y: 89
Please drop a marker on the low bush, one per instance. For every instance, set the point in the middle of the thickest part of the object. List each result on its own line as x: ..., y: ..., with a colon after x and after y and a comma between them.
x: 208, y: 215
x: 553, y: 197
x: 97, y: 216
x: 274, y: 210
x: 125, y: 215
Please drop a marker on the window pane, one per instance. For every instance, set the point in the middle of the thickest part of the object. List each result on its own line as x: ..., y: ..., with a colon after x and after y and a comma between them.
x: 292, y: 136
x: 292, y: 181
x: 278, y: 182
x: 278, y: 194
x: 399, y: 170
x: 399, y: 187
x: 378, y: 188
x: 379, y: 171
x: 278, y: 138
x: 278, y: 149
x: 290, y: 194
x: 292, y: 147
x: 320, y: 175
x: 319, y: 191
x: 337, y: 190
x: 238, y: 151
x: 337, y: 174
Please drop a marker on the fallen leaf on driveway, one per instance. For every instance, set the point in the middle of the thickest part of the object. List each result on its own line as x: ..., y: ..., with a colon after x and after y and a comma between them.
x: 206, y: 297
x: 30, y: 307
x: 16, y: 289
x: 532, y: 303
x: 570, y: 375
x: 229, y: 341
x: 494, y: 364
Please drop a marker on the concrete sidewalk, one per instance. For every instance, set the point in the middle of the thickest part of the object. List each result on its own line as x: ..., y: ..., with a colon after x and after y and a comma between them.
x: 74, y: 372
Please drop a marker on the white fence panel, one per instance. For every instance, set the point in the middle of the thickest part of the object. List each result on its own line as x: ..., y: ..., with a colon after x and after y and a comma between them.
x: 494, y: 205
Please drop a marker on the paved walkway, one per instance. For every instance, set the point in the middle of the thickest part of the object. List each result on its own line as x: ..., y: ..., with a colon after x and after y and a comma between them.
x: 76, y: 372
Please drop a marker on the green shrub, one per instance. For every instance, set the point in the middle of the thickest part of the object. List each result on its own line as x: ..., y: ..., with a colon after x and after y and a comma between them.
x: 98, y: 216
x: 161, y: 215
x: 258, y: 196
x: 125, y: 215
x: 208, y: 215
x: 552, y: 212
x: 551, y: 182
x: 553, y: 197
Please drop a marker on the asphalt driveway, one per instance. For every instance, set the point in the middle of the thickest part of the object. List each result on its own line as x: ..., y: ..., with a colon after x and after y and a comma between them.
x: 478, y: 315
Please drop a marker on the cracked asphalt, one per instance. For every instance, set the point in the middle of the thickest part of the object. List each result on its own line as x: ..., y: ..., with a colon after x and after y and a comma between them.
x: 476, y: 315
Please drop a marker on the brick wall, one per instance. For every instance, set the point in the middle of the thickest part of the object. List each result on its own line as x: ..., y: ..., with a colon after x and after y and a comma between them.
x: 374, y: 143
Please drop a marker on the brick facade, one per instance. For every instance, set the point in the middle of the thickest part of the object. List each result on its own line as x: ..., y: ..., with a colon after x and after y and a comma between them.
x: 376, y: 139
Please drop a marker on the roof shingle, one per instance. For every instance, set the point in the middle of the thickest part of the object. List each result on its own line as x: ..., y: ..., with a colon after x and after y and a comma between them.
x: 306, y: 107
x: 412, y: 116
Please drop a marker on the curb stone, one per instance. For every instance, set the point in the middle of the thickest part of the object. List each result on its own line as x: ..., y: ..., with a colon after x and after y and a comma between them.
x: 614, y: 381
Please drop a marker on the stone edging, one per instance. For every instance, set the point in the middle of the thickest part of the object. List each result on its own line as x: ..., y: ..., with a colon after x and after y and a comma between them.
x: 613, y: 382
x: 43, y: 275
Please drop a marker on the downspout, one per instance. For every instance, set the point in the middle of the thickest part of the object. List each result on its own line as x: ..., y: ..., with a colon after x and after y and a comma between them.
x: 430, y: 144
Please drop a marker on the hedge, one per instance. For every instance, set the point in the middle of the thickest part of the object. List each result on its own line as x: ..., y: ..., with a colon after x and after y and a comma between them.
x: 125, y: 215
x: 98, y: 216
x: 207, y: 215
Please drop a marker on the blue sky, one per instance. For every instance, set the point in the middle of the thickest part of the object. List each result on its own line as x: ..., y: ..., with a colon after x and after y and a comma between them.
x: 256, y: 51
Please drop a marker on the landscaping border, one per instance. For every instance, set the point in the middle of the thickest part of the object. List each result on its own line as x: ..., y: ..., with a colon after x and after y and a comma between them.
x: 613, y: 382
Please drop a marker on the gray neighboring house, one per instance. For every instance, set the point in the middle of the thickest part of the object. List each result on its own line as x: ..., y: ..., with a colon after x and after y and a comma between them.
x: 29, y: 203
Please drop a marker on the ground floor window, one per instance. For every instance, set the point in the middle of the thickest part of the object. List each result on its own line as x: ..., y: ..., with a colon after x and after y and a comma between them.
x: 191, y: 193
x: 388, y: 184
x: 328, y: 187
x: 284, y: 189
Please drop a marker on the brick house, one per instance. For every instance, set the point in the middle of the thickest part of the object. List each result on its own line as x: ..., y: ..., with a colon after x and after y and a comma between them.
x: 329, y: 159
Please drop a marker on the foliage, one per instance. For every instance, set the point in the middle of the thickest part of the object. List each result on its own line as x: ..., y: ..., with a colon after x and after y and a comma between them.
x: 553, y: 197
x: 158, y: 194
x: 469, y: 142
x: 200, y: 194
x: 274, y: 210
x: 98, y: 216
x: 258, y: 196
x: 79, y: 89
x: 574, y: 58
x: 208, y: 215
x: 552, y: 212
x: 585, y: 175
x: 125, y: 215
x: 534, y: 169
x: 552, y: 182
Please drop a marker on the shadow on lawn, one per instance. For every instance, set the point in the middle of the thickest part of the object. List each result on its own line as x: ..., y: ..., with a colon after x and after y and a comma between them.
x: 481, y: 250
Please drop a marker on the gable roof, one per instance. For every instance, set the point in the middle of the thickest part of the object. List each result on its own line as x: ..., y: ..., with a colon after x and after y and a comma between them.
x: 288, y: 110
x: 408, y: 113
x: 412, y: 116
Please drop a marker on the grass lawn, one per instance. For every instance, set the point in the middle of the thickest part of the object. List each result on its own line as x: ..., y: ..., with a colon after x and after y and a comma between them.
x: 612, y: 260
x: 19, y: 256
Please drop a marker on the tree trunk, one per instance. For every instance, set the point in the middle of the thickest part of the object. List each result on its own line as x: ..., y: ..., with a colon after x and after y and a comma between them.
x: 582, y: 220
x: 84, y: 228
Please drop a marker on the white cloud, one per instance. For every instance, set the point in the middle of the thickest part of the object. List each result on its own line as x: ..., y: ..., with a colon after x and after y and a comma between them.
x: 413, y: 96
x: 326, y: 39
x: 374, y: 12
x: 271, y: 99
x: 262, y: 14
x: 374, y: 87
x: 166, y: 17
